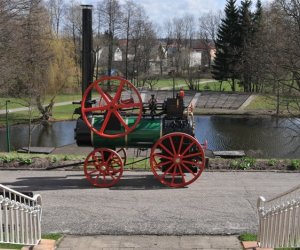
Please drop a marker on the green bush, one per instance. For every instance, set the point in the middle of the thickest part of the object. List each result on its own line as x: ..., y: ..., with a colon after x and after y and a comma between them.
x: 24, y: 160
x: 243, y: 163
x: 54, y: 159
x: 234, y: 164
x: 295, y: 164
x: 272, y: 162
x: 66, y: 158
x: 6, y: 158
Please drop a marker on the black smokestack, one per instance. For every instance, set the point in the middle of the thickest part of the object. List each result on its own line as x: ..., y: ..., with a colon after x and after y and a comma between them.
x: 87, y: 45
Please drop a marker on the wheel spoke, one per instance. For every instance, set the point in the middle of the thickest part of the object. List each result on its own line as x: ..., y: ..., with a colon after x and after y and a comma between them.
x: 163, y: 156
x: 173, y: 175
x: 180, y: 145
x: 192, y: 155
x: 120, y: 118
x: 172, y: 145
x: 192, y: 162
x: 188, y: 169
x: 161, y: 164
x: 105, y: 122
x: 188, y: 148
x: 95, y: 160
x: 108, y: 158
x: 182, y: 174
x: 97, y: 177
x: 167, y: 171
x: 93, y: 171
x: 111, y: 175
x: 119, y: 92
x: 103, y: 94
x: 166, y: 149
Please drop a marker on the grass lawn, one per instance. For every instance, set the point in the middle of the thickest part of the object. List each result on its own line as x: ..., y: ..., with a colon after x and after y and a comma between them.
x: 268, y: 102
x: 19, y: 103
x: 59, y: 113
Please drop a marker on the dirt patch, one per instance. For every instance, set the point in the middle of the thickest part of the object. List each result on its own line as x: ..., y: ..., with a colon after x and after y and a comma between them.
x: 39, y: 164
x: 252, y: 164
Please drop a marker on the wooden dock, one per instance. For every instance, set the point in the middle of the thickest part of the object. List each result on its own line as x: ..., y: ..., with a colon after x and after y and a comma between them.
x: 36, y: 150
x: 229, y: 154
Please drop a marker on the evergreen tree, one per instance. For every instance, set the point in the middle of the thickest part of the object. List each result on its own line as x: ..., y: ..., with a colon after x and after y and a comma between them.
x: 247, y: 32
x: 227, y: 45
x: 250, y: 46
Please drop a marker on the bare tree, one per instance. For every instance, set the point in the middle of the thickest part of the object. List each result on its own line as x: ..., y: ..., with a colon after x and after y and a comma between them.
x: 34, y: 56
x: 130, y: 9
x: 72, y: 30
x: 110, y: 10
x: 208, y: 27
x: 56, y: 11
x: 10, y: 12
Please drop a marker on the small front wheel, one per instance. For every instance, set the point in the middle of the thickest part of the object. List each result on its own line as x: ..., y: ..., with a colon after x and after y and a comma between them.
x: 103, y: 167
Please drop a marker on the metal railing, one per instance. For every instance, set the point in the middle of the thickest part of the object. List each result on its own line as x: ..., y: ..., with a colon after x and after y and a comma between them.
x: 279, y: 220
x: 20, y: 217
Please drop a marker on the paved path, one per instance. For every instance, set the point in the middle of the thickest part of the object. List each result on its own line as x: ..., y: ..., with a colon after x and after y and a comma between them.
x: 143, y: 242
x: 3, y: 111
x: 218, y: 203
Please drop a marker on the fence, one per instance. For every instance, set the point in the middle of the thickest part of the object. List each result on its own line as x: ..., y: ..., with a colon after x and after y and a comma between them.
x: 279, y: 220
x: 20, y: 217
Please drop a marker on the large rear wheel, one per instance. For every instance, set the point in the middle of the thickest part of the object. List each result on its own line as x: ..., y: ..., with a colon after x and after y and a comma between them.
x: 177, y: 159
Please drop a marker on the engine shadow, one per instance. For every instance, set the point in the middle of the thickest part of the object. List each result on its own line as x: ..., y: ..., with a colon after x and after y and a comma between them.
x: 78, y: 181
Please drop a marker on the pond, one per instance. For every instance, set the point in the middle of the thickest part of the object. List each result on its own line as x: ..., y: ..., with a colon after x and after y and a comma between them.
x: 264, y: 137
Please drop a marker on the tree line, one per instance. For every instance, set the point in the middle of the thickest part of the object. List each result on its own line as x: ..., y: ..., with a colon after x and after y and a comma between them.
x: 40, y: 45
x: 258, y: 49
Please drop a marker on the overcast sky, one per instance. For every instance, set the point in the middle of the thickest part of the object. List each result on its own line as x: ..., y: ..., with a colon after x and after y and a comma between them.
x: 161, y: 10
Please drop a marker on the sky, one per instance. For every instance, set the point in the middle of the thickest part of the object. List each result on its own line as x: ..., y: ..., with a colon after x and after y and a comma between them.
x: 161, y: 10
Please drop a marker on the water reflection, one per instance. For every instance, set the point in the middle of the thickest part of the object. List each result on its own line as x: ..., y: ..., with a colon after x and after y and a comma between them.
x: 55, y: 135
x: 260, y: 136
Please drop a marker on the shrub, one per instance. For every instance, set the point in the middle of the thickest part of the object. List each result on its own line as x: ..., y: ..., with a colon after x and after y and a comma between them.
x: 243, y: 164
x: 295, y: 164
x: 234, y: 164
x: 54, y: 159
x: 25, y: 160
x: 272, y: 162
x: 6, y: 158
x: 66, y: 158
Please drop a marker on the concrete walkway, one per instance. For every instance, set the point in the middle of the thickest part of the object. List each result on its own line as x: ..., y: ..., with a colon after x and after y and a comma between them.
x: 143, y: 242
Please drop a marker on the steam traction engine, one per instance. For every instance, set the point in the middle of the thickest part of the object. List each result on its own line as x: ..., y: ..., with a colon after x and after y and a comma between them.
x: 114, y: 117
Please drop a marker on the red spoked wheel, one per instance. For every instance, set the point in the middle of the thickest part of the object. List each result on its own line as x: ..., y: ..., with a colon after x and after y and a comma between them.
x: 103, y: 167
x: 177, y: 159
x: 116, y: 99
